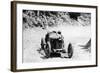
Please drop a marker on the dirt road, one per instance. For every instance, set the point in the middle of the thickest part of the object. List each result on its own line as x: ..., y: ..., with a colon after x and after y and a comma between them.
x: 75, y: 35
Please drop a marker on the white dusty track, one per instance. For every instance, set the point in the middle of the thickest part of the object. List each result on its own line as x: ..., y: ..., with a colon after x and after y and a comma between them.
x: 76, y: 35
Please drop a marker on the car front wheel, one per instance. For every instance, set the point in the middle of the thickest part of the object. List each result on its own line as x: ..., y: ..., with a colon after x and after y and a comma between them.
x: 70, y: 50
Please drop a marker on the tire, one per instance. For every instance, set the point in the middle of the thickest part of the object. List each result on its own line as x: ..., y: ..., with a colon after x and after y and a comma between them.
x: 47, y: 50
x: 42, y: 43
x: 70, y: 50
x: 42, y: 47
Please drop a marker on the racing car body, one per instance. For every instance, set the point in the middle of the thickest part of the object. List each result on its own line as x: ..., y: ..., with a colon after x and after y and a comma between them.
x: 53, y: 44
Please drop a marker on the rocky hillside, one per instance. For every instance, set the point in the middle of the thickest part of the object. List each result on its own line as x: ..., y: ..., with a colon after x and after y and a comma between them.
x: 44, y: 19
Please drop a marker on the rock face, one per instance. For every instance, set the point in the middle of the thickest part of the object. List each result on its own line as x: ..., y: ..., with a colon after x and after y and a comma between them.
x: 87, y: 46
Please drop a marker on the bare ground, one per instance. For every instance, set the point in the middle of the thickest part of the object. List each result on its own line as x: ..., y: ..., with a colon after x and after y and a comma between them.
x: 72, y: 34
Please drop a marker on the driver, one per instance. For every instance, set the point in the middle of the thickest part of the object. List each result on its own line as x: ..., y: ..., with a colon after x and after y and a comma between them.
x: 60, y: 35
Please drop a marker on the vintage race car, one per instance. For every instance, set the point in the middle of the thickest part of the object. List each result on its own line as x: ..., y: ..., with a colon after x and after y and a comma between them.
x: 53, y: 45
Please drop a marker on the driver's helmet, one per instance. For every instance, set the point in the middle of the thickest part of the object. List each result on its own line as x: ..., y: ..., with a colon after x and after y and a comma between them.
x: 59, y: 32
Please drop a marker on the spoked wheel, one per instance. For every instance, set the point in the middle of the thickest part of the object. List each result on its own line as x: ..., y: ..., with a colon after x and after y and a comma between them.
x: 70, y: 50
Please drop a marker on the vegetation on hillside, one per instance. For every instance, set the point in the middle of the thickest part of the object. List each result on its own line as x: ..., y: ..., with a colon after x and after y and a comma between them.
x: 44, y: 19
